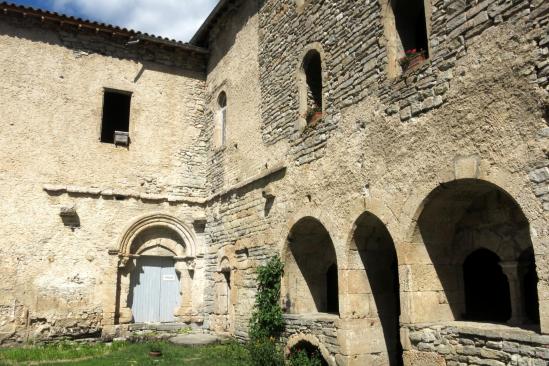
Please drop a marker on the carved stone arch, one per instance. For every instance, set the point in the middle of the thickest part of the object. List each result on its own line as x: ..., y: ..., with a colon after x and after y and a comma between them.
x: 156, y: 235
x: 298, y: 338
x: 378, y: 209
x: 373, y: 288
x: 179, y: 231
x: 475, y: 207
x: 417, y: 199
x: 321, y: 215
x: 311, y: 281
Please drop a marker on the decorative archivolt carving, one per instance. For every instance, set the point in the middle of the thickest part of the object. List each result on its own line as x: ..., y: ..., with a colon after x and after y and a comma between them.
x: 157, y: 230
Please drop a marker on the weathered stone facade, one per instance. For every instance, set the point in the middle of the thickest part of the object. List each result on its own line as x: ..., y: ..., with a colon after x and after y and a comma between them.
x: 377, y: 209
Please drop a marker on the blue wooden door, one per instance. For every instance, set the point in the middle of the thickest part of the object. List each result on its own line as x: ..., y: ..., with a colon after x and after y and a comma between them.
x: 155, y: 290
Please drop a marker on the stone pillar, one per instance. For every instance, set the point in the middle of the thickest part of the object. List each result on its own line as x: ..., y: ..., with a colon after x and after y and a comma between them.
x: 514, y: 276
x: 186, y: 285
x: 125, y: 267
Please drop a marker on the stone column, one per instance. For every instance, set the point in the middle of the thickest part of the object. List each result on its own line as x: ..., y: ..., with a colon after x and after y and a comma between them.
x: 186, y: 302
x: 514, y: 276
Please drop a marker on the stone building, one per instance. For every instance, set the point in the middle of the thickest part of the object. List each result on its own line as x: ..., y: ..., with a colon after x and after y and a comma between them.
x: 393, y: 153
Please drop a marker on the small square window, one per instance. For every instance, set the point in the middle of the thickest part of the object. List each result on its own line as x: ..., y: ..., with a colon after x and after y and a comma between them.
x: 116, y: 117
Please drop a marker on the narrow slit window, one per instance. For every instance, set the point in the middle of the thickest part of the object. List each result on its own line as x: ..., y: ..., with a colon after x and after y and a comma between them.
x: 411, y: 26
x: 312, y: 66
x: 222, y: 101
x: 116, y: 117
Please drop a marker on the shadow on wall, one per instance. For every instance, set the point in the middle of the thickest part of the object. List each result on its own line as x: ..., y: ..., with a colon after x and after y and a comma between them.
x: 478, y: 240
x: 311, y: 273
x: 226, y: 31
x: 376, y: 253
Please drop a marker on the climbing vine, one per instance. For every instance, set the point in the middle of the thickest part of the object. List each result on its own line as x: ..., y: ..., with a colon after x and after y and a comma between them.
x: 267, y: 320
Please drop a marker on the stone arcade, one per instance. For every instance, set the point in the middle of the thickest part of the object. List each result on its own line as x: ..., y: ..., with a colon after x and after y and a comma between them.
x: 393, y: 153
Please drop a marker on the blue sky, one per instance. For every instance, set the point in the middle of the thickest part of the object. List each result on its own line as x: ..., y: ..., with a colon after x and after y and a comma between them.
x: 177, y: 19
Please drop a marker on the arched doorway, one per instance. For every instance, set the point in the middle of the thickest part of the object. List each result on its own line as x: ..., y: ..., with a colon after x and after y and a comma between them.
x: 474, y: 234
x: 373, y: 267
x: 155, y: 272
x: 311, y: 272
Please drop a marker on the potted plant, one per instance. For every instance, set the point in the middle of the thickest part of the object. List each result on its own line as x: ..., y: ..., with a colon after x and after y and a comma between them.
x: 313, y: 116
x: 155, y: 349
x: 412, y: 59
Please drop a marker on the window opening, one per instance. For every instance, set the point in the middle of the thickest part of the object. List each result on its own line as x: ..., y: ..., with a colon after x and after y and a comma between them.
x: 312, y: 66
x: 487, y: 296
x: 411, y: 27
x: 227, y: 276
x: 222, y: 101
x: 116, y: 117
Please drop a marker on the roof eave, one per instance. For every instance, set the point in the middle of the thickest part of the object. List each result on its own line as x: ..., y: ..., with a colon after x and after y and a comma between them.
x: 200, y: 37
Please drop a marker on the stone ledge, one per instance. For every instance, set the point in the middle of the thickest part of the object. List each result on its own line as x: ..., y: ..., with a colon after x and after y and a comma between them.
x: 312, y: 317
x: 487, y: 330
x: 55, y: 189
x: 109, y: 193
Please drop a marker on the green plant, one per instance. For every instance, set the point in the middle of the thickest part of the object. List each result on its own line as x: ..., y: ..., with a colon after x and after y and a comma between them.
x: 156, y: 346
x: 302, y: 358
x: 265, y: 352
x: 267, y: 321
x: 186, y: 330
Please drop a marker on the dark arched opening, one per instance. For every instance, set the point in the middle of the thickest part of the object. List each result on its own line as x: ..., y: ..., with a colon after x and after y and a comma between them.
x: 311, y: 270
x: 312, y: 67
x: 411, y: 24
x: 474, y: 216
x: 377, y: 252
x: 303, y: 350
x: 487, y: 295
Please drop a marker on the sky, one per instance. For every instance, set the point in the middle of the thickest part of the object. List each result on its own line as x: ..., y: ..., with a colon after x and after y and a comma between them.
x: 175, y: 19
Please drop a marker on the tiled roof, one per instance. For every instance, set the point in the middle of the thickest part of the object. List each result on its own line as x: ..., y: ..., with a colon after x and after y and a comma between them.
x: 8, y: 8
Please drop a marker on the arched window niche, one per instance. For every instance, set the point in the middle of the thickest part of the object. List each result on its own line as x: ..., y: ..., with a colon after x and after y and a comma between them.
x: 311, y: 271
x: 480, y: 264
x: 221, y: 120
x: 311, y: 87
x: 407, y: 24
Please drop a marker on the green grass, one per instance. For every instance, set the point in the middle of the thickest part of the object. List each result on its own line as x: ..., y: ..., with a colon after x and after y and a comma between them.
x: 124, y: 354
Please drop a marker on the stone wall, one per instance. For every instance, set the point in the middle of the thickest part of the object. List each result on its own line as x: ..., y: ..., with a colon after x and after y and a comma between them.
x: 471, y: 344
x: 355, y: 39
x: 58, y: 278
x: 474, y: 112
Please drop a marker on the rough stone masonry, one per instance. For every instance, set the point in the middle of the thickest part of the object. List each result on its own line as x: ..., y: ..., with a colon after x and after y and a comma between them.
x: 409, y: 200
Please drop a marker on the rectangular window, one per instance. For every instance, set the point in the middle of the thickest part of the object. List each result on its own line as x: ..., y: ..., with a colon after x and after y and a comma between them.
x: 116, y: 116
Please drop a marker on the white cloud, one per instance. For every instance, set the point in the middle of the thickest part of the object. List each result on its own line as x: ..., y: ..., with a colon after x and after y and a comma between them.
x: 177, y: 19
